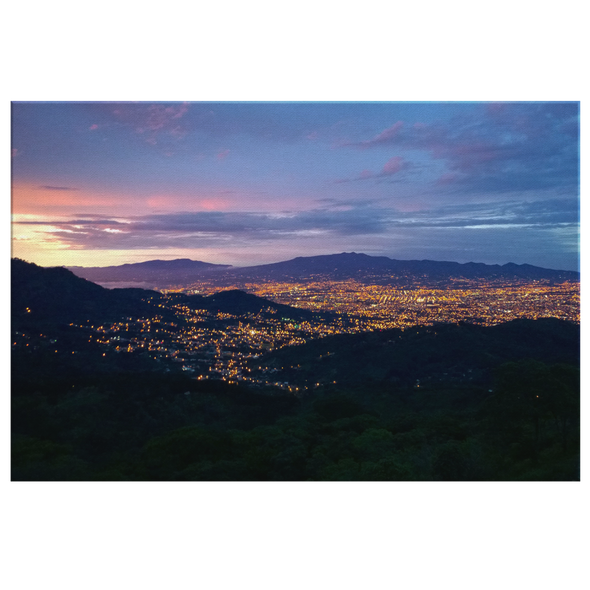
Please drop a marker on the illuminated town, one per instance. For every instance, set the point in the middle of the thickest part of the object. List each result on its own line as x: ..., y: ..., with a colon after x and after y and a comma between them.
x: 381, y: 307
x: 215, y: 345
x: 370, y: 306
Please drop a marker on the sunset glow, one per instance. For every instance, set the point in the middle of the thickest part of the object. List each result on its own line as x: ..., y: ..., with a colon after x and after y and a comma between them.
x: 96, y: 184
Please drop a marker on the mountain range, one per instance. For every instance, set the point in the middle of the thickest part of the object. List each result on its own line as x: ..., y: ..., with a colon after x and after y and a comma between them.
x: 352, y: 265
x: 362, y: 267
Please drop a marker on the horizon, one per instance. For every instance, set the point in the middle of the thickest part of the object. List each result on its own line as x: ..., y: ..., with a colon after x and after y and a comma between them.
x: 299, y: 257
x: 247, y: 184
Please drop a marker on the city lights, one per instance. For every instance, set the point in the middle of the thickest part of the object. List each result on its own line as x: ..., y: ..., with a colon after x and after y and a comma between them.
x: 220, y: 345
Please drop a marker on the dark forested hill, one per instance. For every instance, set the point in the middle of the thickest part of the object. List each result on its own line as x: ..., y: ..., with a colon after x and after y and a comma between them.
x: 445, y: 353
x: 237, y: 302
x: 56, y: 295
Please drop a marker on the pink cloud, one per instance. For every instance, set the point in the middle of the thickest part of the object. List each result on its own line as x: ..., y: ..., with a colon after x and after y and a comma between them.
x: 222, y: 155
x: 213, y: 204
x: 160, y: 202
x: 393, y: 166
x: 93, y: 127
x: 14, y: 153
x: 62, y: 199
x: 388, y: 134
x: 177, y: 112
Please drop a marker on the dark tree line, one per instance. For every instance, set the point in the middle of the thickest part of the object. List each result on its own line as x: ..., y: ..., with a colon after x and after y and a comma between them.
x: 145, y: 426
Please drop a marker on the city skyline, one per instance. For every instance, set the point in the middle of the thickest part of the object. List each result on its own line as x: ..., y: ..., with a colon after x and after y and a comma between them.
x: 99, y: 184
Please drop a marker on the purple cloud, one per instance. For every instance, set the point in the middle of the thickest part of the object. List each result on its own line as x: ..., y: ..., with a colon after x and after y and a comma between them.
x: 518, y: 146
x: 385, y: 136
x: 392, y: 166
x: 215, y: 228
x: 152, y: 121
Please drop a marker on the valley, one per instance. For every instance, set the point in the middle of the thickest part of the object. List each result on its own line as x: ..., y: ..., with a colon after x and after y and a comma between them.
x: 317, y: 378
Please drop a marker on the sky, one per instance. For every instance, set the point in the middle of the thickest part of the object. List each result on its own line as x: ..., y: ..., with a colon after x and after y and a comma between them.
x: 245, y: 183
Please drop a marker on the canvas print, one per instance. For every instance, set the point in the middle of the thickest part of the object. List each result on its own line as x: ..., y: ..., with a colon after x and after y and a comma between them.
x: 289, y: 291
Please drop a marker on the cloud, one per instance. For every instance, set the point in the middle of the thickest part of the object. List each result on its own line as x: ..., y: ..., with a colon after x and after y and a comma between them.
x: 159, y: 116
x: 214, y: 123
x: 537, y: 231
x: 386, y: 136
x: 153, y: 122
x: 178, y: 132
x: 93, y: 127
x: 222, y: 154
x: 393, y: 166
x: 333, y: 220
x: 177, y: 112
x: 507, y: 146
x: 539, y: 214
x: 189, y: 229
x: 46, y: 187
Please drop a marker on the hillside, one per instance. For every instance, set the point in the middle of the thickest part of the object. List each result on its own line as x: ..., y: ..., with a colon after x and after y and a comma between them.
x: 237, y: 302
x: 522, y: 424
x: 441, y: 354
x: 57, y: 295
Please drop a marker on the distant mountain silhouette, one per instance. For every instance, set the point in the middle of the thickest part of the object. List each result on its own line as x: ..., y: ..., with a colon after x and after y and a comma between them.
x: 363, y: 266
x: 179, y: 270
x: 378, y: 269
